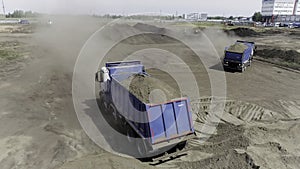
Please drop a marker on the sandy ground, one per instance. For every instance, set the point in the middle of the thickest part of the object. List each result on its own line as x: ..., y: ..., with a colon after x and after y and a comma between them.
x: 39, y: 128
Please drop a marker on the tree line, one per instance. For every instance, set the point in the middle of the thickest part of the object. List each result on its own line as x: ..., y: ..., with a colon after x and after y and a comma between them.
x: 257, y: 16
x: 22, y: 14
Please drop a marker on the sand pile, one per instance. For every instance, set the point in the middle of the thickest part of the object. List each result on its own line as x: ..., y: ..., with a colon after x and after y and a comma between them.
x: 274, y: 31
x: 119, y: 31
x: 295, y: 32
x: 150, y: 90
x: 151, y: 35
x: 242, y: 32
x: 285, y: 54
x: 237, y: 48
x: 149, y: 28
x: 283, y: 57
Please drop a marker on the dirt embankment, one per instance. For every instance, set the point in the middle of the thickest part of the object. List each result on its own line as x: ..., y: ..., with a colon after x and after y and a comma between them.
x: 257, y: 32
x: 242, y: 32
x: 149, y: 28
x: 282, y: 57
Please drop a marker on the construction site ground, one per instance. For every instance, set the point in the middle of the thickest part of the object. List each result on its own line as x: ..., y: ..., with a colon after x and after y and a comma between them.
x: 39, y: 127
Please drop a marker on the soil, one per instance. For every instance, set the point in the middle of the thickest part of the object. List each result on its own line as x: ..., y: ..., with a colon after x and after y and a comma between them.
x: 284, y: 57
x: 39, y: 127
x: 150, y: 90
x: 149, y: 28
x: 242, y: 32
x: 237, y: 48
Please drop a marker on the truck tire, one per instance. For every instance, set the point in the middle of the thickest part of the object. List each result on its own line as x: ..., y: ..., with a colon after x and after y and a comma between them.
x: 113, y: 111
x: 141, y: 148
x: 129, y: 134
x: 102, y: 100
x: 181, y: 145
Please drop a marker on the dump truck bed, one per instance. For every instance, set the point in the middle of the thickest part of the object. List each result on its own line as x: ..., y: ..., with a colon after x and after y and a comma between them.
x: 160, y: 124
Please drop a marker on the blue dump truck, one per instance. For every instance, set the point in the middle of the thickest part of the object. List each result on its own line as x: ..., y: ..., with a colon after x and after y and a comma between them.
x: 239, y: 55
x: 294, y: 25
x: 158, y: 126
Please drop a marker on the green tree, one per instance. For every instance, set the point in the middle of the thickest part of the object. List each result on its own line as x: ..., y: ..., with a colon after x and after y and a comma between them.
x: 257, y: 17
x: 22, y: 14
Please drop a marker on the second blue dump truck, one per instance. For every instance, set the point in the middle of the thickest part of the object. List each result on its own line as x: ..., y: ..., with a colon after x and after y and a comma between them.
x: 158, y: 126
x: 239, y: 55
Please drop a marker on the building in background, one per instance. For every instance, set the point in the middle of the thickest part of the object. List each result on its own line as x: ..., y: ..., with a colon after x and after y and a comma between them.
x: 203, y: 17
x: 192, y: 16
x: 281, y: 10
x: 196, y: 17
x: 297, y: 7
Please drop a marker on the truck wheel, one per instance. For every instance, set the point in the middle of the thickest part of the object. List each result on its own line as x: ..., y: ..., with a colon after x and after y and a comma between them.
x: 181, y: 145
x: 113, y: 111
x: 130, y: 135
x: 102, y: 100
x: 141, y: 148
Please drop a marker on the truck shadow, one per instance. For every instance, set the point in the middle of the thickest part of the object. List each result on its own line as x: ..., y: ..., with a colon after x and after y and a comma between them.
x: 219, y: 67
x: 112, y: 132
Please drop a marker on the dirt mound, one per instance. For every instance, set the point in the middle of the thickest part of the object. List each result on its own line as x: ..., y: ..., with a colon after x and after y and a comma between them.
x: 283, y: 57
x: 150, y: 90
x: 226, y: 152
x: 272, y: 31
x: 285, y: 54
x: 242, y: 32
x: 148, y: 38
x: 116, y: 32
x: 295, y: 33
x: 229, y: 160
x: 151, y: 35
x: 237, y: 48
x: 149, y: 28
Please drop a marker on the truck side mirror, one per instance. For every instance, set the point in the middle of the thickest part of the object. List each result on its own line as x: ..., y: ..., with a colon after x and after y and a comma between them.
x: 99, y: 77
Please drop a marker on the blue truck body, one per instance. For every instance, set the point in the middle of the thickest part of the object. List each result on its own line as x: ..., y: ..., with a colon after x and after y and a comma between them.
x: 294, y: 25
x: 239, y: 60
x: 159, y: 125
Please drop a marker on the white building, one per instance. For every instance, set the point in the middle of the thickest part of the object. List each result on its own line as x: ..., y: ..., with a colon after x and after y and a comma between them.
x: 203, y: 16
x: 280, y: 7
x: 297, y: 7
x: 196, y: 17
x: 192, y: 16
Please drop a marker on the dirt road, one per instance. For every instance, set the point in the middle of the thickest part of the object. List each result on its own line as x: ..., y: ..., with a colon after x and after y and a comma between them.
x: 39, y: 127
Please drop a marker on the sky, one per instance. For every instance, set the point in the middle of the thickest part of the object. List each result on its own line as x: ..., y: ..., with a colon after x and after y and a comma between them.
x: 126, y: 7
